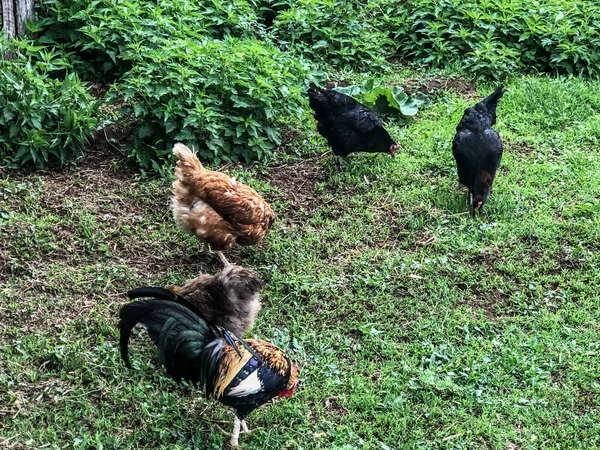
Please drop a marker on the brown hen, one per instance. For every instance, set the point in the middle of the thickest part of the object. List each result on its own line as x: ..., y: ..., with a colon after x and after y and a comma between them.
x: 216, y: 208
x: 229, y: 299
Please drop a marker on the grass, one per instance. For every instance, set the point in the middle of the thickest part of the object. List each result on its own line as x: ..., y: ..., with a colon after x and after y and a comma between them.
x: 414, y: 326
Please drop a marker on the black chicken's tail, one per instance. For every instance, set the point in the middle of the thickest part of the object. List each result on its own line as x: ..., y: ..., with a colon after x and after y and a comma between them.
x: 160, y: 293
x: 178, y: 333
x: 313, y: 89
x: 491, y: 101
x: 315, y: 99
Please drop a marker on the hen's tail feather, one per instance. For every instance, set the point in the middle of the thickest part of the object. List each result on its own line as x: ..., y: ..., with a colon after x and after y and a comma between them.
x: 178, y: 333
x: 159, y: 293
x: 492, y: 99
x: 188, y: 164
x: 314, y: 89
x: 491, y: 102
x: 230, y: 338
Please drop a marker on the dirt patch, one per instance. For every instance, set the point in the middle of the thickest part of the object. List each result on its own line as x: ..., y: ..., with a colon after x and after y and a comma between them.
x: 460, y: 85
x: 99, y: 90
x: 297, y: 183
x: 337, y: 83
x: 566, y: 261
x: 520, y: 148
x: 530, y: 239
x: 289, y: 138
x: 489, y: 302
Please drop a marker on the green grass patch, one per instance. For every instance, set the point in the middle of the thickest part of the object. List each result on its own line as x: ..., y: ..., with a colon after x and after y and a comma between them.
x: 414, y: 325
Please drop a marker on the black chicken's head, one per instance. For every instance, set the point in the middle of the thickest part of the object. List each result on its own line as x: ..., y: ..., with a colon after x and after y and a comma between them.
x: 382, y: 142
x: 482, y: 186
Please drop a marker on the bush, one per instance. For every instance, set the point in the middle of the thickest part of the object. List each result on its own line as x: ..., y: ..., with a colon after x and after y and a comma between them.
x: 196, y: 92
x: 493, y: 38
x: 334, y: 32
x: 44, y: 119
x: 188, y: 71
x: 98, y: 32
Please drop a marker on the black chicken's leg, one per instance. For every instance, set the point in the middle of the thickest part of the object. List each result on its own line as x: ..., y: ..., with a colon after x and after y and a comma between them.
x: 470, y: 203
x: 337, y: 163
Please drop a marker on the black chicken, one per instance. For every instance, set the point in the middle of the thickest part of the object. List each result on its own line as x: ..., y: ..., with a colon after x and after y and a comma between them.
x: 477, y: 149
x: 348, y: 125
x: 228, y: 299
x: 240, y: 374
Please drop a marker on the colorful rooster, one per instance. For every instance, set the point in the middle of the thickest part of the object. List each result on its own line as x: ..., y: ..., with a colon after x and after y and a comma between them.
x: 240, y: 374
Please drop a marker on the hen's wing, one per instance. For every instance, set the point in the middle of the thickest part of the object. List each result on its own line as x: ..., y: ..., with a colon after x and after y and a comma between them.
x: 493, y: 146
x: 233, y: 201
x: 361, y: 119
x: 465, y: 156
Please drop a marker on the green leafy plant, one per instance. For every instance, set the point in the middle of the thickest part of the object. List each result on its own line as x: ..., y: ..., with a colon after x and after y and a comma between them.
x: 98, y: 32
x: 45, y: 117
x: 188, y: 71
x: 494, y: 38
x: 333, y: 32
x: 387, y: 99
x: 195, y: 92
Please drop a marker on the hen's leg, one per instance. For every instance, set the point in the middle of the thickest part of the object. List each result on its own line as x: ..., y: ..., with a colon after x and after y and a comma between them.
x: 337, y: 163
x: 205, y: 247
x: 470, y: 199
x: 234, y: 441
x: 223, y: 259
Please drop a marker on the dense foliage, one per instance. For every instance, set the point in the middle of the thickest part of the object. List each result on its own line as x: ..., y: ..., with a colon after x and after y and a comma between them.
x: 334, y: 32
x: 195, y: 92
x: 223, y: 75
x: 494, y: 38
x: 47, y: 115
x: 189, y: 71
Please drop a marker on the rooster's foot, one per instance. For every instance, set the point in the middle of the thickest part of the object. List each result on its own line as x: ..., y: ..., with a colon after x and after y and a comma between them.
x: 245, y: 427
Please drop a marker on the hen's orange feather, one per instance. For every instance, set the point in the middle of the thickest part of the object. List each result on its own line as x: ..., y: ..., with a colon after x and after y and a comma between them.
x: 216, y: 208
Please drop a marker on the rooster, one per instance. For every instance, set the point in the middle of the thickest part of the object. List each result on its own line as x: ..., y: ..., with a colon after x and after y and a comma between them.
x: 228, y: 299
x: 348, y: 125
x: 241, y: 374
x: 216, y: 208
x: 477, y: 149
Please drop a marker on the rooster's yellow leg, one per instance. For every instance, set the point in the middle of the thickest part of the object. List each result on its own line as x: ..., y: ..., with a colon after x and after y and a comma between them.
x: 245, y: 427
x: 234, y: 441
